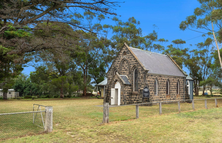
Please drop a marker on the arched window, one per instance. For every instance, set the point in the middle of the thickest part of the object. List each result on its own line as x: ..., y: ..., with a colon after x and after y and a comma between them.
x: 168, y: 87
x: 135, y: 80
x: 155, y: 87
x: 178, y: 87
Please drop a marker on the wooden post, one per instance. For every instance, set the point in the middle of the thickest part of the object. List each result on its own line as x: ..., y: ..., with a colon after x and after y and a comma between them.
x: 206, y: 103
x: 137, y: 111
x: 179, y: 106
x: 193, y: 104
x: 160, y: 108
x: 48, y: 119
x: 106, y: 113
x: 215, y: 102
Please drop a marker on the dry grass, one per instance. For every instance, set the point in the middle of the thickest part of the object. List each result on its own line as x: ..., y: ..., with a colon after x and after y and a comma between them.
x: 79, y: 120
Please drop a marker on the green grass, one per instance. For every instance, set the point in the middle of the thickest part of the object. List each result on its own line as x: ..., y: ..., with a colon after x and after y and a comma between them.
x: 79, y: 120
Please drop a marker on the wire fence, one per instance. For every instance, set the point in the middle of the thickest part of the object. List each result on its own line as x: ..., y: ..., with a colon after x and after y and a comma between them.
x: 14, y: 123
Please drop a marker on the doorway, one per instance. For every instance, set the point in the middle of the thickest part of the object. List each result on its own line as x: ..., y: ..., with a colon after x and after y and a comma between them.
x: 115, y: 94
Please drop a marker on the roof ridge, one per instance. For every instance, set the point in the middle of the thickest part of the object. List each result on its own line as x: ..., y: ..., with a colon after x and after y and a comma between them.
x: 148, y: 51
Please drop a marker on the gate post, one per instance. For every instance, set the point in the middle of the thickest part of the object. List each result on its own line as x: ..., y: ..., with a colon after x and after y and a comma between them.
x: 48, y: 119
x: 106, y: 113
x: 137, y: 111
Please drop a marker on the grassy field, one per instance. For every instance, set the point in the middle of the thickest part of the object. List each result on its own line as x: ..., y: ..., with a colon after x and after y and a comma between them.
x: 79, y: 120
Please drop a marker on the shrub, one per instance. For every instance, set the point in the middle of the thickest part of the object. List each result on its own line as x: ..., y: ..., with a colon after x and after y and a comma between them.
x: 34, y: 97
x: 27, y: 96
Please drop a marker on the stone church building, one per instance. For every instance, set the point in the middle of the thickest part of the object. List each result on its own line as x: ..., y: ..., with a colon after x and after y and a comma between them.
x: 138, y: 76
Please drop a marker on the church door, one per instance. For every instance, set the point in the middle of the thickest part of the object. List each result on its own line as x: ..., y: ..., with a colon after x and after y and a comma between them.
x: 112, y: 96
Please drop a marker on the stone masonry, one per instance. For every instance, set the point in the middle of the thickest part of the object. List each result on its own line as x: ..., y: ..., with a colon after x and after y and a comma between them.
x: 125, y: 64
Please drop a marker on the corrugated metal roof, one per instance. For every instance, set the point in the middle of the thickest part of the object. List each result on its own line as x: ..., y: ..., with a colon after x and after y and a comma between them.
x: 157, y: 63
x: 104, y: 82
x: 125, y: 79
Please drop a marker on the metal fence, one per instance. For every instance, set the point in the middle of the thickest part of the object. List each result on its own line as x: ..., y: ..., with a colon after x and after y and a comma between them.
x: 167, y: 107
x: 28, y: 122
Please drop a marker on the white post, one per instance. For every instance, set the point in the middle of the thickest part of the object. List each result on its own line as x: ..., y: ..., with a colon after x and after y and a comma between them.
x: 206, y: 103
x: 48, y: 119
x: 179, y: 106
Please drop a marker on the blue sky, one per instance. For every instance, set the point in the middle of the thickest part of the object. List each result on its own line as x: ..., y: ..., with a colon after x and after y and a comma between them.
x: 165, y: 14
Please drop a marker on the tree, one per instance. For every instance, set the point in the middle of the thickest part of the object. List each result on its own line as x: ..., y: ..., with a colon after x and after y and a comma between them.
x: 18, y: 17
x: 192, y: 64
x: 130, y: 33
x: 11, y: 64
x: 208, y: 14
x: 92, y: 48
x: 178, y: 54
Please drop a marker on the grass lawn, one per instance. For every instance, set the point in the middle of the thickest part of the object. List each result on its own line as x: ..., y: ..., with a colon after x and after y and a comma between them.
x: 79, y: 120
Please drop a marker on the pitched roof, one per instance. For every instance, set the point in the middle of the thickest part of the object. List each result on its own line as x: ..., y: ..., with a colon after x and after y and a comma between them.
x: 157, y: 63
x: 104, y: 82
x: 125, y: 79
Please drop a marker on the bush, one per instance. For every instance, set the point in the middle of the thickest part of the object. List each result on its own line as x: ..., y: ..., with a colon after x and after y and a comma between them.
x: 27, y: 96
x: 56, y: 96
x: 34, y: 97
x: 1, y: 98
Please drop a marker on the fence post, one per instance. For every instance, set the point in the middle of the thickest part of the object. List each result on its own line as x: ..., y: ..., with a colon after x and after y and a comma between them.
x: 48, y: 119
x: 216, y: 102
x: 193, y: 104
x: 33, y: 114
x: 137, y: 111
x: 206, y: 103
x: 106, y: 113
x: 160, y: 108
x: 179, y: 106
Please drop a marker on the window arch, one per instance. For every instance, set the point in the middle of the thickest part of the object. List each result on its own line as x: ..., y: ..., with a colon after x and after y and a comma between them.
x: 135, y: 80
x: 156, y: 87
x: 178, y: 87
x: 168, y: 87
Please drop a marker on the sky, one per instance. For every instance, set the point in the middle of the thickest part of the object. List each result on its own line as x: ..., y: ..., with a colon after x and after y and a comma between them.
x: 165, y: 14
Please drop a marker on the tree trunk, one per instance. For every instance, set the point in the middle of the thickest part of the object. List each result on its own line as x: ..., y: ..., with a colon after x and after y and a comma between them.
x: 215, y: 39
x: 203, y: 90
x: 5, y: 95
x: 211, y: 91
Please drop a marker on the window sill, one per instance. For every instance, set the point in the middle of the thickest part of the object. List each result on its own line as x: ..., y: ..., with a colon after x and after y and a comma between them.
x: 135, y: 92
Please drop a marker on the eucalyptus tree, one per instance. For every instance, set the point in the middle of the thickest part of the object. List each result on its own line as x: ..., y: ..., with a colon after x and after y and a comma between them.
x: 177, y: 52
x: 92, y: 47
x: 130, y: 33
x: 206, y: 17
